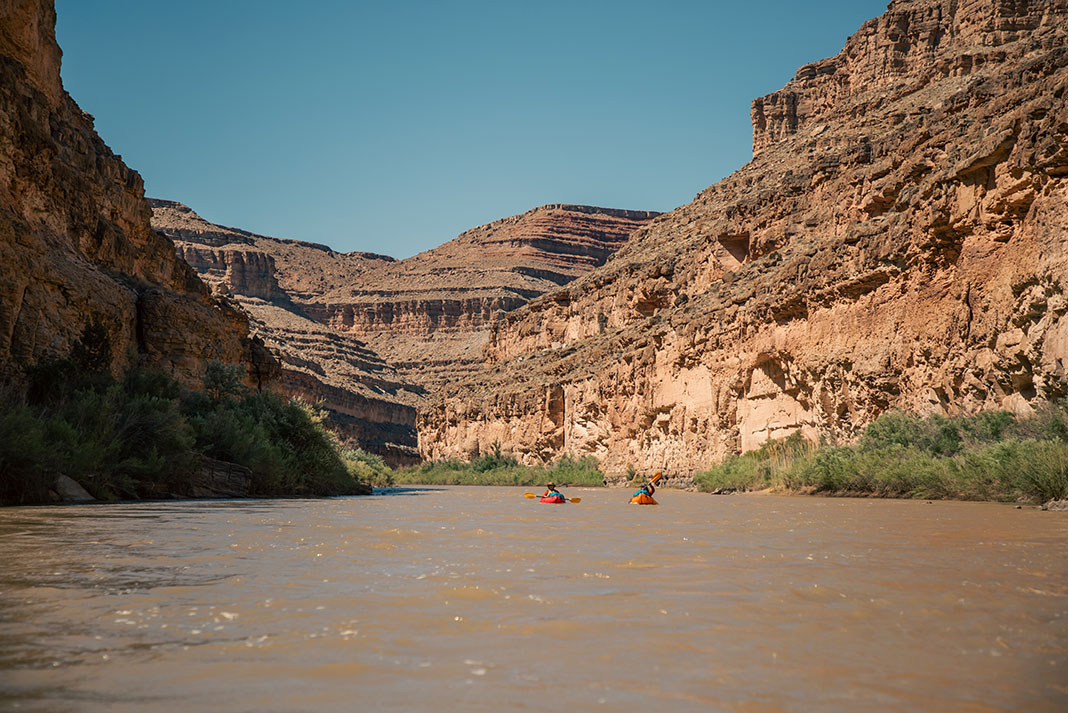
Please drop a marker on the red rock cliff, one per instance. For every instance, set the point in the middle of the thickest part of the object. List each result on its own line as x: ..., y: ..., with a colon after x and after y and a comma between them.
x: 76, y: 245
x: 429, y: 316
x: 900, y: 240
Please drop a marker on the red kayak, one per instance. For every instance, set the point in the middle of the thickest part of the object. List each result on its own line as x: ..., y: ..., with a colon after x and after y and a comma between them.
x: 555, y: 498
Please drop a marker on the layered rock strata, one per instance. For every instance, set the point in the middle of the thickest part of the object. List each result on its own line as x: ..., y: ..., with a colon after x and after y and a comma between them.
x: 900, y: 240
x: 370, y: 335
x: 367, y: 402
x: 259, y: 265
x: 76, y: 245
x: 430, y: 315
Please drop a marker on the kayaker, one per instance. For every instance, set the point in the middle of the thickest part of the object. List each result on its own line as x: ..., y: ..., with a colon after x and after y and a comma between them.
x: 552, y: 492
x: 644, y: 494
x: 647, y: 489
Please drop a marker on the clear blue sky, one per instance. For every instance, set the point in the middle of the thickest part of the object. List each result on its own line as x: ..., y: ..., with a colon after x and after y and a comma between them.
x: 394, y: 126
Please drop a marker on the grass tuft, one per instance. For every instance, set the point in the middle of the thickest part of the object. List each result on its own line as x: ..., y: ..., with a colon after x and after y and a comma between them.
x: 495, y: 469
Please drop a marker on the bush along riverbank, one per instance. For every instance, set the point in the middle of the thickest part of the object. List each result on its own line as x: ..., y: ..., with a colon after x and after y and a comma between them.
x: 144, y: 436
x: 990, y: 456
x: 494, y: 468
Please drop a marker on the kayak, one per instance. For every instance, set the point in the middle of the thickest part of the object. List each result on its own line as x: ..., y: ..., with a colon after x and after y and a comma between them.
x: 554, y: 499
x: 643, y: 499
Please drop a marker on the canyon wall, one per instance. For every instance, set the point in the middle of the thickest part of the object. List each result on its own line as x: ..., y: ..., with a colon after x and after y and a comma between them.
x: 367, y: 402
x: 76, y: 244
x: 900, y: 240
x: 430, y: 315
x: 370, y: 336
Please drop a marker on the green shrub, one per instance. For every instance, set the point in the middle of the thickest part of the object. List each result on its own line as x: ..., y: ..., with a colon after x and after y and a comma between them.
x: 937, y: 435
x: 284, y: 443
x: 744, y: 472
x: 141, y: 437
x: 91, y: 354
x: 1041, y: 470
x: 986, y: 427
x: 1049, y: 423
x: 495, y: 469
x: 27, y: 468
x: 585, y: 471
x: 494, y: 460
x: 368, y: 468
x: 990, y: 456
x: 223, y: 380
x: 1014, y: 470
x: 764, y: 467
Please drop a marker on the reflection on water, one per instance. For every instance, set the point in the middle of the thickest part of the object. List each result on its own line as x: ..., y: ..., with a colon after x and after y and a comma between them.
x: 479, y: 599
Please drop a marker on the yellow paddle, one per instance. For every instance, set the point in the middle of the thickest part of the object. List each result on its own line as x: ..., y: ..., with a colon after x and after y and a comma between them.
x: 570, y: 500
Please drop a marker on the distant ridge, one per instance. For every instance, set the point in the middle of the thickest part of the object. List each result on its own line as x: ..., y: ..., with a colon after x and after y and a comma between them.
x: 429, y: 315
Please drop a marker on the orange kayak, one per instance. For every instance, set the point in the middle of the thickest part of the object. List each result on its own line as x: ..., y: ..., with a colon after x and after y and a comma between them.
x: 643, y: 499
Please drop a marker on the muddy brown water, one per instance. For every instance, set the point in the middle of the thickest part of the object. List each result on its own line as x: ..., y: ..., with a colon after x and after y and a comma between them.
x: 476, y: 599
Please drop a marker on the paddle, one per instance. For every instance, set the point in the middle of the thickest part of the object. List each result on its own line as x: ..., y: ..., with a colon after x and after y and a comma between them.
x: 658, y: 476
x: 646, y: 491
x: 570, y: 500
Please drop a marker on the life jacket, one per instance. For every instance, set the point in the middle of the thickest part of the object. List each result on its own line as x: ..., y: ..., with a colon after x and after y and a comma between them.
x: 642, y: 497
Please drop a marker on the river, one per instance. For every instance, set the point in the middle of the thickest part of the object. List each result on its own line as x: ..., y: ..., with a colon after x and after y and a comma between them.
x: 477, y: 599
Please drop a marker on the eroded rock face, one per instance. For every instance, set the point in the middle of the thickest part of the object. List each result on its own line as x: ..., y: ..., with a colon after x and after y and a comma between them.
x: 371, y: 335
x: 76, y: 246
x: 431, y: 314
x: 367, y: 401
x: 369, y: 404
x: 900, y: 240
x: 914, y: 42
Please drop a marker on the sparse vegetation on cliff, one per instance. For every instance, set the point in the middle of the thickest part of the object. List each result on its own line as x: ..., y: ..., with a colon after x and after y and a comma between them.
x: 141, y: 436
x: 990, y: 456
x: 494, y: 468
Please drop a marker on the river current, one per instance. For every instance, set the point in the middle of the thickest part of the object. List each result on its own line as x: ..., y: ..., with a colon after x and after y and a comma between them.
x: 477, y: 599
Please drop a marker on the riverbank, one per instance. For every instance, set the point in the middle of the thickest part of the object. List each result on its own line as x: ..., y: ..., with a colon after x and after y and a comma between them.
x: 991, y: 456
x: 144, y: 436
x: 497, y: 469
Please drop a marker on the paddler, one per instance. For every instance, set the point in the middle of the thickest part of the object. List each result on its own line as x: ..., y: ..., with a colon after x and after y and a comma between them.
x: 646, y: 489
x: 644, y: 494
x: 552, y: 492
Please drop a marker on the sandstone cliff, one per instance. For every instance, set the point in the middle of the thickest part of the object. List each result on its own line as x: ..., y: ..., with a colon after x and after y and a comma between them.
x: 370, y: 335
x: 76, y: 245
x: 900, y: 240
x: 430, y: 315
x: 367, y: 401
